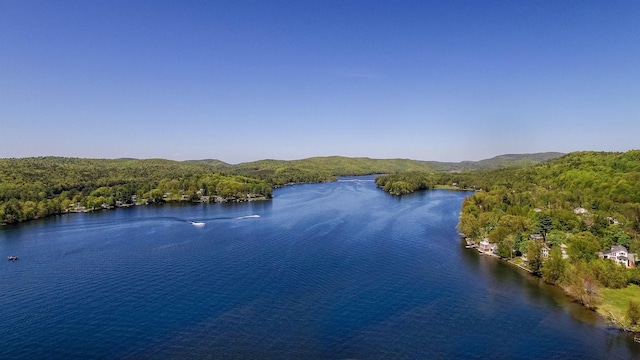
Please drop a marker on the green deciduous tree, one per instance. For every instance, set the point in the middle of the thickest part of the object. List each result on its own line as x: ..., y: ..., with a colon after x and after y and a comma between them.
x: 556, y: 237
x: 534, y: 256
x: 582, y: 285
x: 583, y: 247
x: 553, y: 268
x: 609, y: 274
x: 506, y: 247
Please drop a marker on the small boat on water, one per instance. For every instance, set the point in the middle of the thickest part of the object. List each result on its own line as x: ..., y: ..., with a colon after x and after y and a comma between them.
x: 12, y: 258
x: 196, y: 223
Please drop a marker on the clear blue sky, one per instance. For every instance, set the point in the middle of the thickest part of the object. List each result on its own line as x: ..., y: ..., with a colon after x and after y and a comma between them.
x: 248, y: 80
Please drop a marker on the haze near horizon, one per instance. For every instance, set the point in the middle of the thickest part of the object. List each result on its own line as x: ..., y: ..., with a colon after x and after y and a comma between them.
x: 248, y: 80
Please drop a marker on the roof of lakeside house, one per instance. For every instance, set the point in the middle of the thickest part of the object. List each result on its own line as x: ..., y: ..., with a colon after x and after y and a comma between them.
x: 615, y: 249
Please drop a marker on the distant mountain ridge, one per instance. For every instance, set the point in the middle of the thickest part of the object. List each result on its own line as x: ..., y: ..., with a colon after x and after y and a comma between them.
x: 323, y: 167
x: 341, y: 165
x: 499, y: 162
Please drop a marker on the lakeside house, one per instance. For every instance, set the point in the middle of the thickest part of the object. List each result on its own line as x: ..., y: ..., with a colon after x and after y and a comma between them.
x: 486, y: 247
x: 620, y: 255
x: 545, y: 250
x: 534, y: 237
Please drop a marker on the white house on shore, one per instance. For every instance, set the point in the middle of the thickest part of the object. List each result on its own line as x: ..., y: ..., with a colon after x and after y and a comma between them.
x: 545, y: 250
x: 620, y: 255
x: 487, y: 247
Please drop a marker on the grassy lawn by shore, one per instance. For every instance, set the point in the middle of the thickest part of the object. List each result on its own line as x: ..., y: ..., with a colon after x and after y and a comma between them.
x: 616, y: 302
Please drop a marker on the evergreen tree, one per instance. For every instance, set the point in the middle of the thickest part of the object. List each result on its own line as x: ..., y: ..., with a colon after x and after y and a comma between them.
x: 544, y: 225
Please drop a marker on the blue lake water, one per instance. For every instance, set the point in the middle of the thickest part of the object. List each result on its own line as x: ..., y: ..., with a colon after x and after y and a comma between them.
x: 334, y: 270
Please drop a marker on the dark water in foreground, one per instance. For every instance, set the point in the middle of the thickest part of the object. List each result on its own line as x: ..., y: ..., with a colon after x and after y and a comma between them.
x: 338, y: 270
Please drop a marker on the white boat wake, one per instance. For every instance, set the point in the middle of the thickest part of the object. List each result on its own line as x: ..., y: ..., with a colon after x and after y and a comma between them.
x: 247, y: 217
x: 200, y: 223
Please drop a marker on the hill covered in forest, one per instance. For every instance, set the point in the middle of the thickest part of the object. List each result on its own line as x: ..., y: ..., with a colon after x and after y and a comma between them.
x: 32, y: 188
x: 317, y: 169
x: 498, y: 162
x: 36, y: 187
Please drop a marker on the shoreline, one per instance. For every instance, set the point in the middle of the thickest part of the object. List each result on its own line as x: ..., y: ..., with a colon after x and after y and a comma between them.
x: 104, y: 208
x: 608, y: 317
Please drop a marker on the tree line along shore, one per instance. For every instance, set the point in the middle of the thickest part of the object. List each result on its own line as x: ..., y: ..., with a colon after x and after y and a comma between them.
x: 32, y: 188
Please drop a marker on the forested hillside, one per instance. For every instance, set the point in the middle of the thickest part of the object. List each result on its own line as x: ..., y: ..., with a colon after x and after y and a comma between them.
x: 323, y: 168
x: 32, y: 188
x: 318, y: 169
x: 498, y: 162
x: 605, y: 185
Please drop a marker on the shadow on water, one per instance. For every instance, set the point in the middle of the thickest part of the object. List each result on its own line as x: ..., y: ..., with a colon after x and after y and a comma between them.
x: 511, y: 277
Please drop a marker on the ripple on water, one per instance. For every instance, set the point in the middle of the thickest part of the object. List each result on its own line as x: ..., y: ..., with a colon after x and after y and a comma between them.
x: 337, y: 270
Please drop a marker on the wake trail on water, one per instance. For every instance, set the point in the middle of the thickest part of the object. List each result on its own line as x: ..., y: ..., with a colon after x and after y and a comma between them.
x: 202, y: 221
x: 151, y: 219
x: 217, y: 218
x: 131, y: 221
x: 247, y: 217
